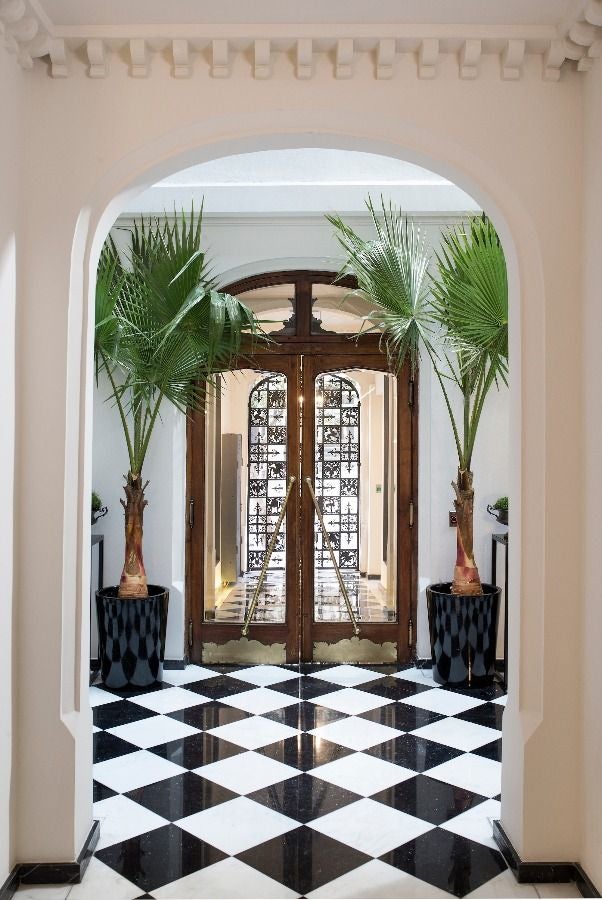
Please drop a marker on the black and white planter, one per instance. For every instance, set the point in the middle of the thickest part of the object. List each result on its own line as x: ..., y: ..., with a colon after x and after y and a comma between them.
x: 463, y: 631
x: 131, y: 637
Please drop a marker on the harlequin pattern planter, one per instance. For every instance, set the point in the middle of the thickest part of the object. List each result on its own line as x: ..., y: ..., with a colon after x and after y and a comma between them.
x: 463, y: 632
x: 131, y: 635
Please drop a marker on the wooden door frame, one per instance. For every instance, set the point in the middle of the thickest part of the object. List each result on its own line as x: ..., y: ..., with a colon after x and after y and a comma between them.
x: 401, y: 630
x: 351, y: 349
x: 220, y: 632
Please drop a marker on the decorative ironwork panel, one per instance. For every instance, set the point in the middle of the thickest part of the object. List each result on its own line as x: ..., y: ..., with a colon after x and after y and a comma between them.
x: 267, y: 471
x: 337, y: 473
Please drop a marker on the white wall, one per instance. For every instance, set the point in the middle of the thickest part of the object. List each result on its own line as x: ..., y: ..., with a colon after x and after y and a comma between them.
x: 517, y: 146
x: 232, y: 244
x: 592, y: 483
x: 9, y: 175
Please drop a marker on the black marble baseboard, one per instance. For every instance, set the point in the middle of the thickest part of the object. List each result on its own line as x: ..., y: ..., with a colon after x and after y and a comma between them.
x: 538, y: 872
x: 60, y: 873
x: 10, y: 885
x: 168, y: 664
x: 175, y: 663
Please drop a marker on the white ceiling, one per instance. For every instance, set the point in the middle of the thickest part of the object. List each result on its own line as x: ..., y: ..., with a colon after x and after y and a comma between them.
x: 308, y: 181
x: 183, y: 12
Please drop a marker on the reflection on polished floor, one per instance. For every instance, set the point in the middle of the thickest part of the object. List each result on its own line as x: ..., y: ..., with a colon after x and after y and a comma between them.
x: 368, y: 599
x: 290, y: 781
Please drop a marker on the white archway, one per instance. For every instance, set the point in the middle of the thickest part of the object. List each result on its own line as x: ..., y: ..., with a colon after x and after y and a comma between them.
x: 292, y: 129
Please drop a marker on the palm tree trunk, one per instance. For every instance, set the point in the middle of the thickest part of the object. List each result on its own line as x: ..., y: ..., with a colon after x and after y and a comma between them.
x: 466, y: 574
x: 133, y: 578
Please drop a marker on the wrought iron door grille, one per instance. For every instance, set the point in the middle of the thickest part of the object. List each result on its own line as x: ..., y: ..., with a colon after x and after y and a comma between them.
x: 267, y: 470
x: 337, y: 473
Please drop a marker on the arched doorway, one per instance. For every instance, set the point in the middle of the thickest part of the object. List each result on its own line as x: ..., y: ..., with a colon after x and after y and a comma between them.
x: 303, y: 482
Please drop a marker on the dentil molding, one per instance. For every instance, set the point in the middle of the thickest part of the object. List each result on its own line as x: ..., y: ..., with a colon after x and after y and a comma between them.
x: 26, y: 32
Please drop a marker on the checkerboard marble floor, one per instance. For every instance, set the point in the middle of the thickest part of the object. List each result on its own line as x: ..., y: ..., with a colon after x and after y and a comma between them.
x: 301, y: 781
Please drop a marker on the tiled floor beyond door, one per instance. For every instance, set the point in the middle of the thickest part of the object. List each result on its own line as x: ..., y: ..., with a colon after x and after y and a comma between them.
x: 277, y: 782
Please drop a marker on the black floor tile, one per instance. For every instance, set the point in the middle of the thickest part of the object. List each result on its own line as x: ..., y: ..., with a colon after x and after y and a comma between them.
x: 306, y: 688
x: 159, y: 857
x: 392, y: 688
x: 488, y: 714
x: 401, y: 716
x: 122, y: 712
x: 304, y: 751
x: 448, y: 861
x: 429, y: 799
x: 485, y: 692
x: 303, y: 859
x: 107, y: 746
x: 413, y: 752
x: 101, y: 792
x: 180, y: 796
x: 209, y: 715
x: 305, y: 716
x: 219, y: 687
x: 196, y: 750
x: 304, y: 798
x: 491, y: 751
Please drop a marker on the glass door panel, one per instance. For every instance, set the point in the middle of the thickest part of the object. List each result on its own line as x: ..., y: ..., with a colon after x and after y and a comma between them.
x: 355, y: 485
x: 247, y: 463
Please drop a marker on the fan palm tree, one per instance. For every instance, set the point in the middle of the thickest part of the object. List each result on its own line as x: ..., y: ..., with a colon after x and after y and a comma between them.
x: 162, y: 332
x: 458, y: 317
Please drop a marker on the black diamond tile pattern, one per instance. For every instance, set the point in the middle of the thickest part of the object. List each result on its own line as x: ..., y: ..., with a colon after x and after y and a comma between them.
x: 307, y: 779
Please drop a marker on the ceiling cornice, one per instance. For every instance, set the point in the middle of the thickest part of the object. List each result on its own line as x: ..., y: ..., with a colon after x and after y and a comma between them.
x: 27, y: 32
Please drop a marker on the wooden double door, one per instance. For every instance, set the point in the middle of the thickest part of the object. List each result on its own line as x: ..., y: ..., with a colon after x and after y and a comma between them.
x: 315, y: 440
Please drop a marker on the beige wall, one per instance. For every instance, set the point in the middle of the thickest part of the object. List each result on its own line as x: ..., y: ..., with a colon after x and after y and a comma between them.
x: 592, y: 482
x: 517, y: 147
x: 9, y: 247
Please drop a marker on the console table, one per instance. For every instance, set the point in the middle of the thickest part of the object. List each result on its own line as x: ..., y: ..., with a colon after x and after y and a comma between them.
x: 502, y: 539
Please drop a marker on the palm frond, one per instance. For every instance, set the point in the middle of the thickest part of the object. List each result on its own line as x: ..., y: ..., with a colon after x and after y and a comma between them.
x: 391, y: 275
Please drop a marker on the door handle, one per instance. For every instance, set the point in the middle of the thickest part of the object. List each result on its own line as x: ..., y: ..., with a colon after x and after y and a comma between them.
x: 266, y: 559
x: 326, y: 536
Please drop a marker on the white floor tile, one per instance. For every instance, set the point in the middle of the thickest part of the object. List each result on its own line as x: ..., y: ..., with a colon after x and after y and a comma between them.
x: 124, y: 773
x: 370, y: 827
x: 246, y: 772
x: 101, y: 883
x: 95, y: 730
x: 444, y: 702
x: 153, y: 731
x: 475, y: 823
x: 420, y: 676
x: 260, y: 700
x: 359, y: 734
x: 549, y: 889
x: 345, y: 675
x: 98, y: 697
x: 237, y: 825
x: 376, y: 880
x: 351, y: 701
x: 169, y: 700
x: 121, y: 818
x: 501, y: 701
x: 187, y: 675
x: 253, y: 732
x: 475, y: 773
x: 229, y: 878
x: 458, y: 734
x: 363, y: 774
x: 262, y: 676
x: 503, y: 885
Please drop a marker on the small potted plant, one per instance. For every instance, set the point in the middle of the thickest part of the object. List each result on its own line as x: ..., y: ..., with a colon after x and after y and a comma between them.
x: 460, y: 320
x: 499, y: 510
x: 162, y: 332
x: 98, y: 510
